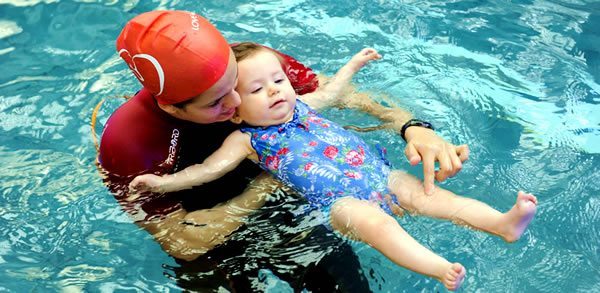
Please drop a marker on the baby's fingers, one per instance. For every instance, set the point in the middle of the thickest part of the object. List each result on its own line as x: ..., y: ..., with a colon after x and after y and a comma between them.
x: 370, y: 54
x: 133, y: 195
x: 134, y: 185
x: 367, y: 51
x: 135, y: 188
x: 141, y: 183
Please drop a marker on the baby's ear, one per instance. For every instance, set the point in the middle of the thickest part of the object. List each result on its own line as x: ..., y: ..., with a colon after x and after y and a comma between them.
x: 236, y: 118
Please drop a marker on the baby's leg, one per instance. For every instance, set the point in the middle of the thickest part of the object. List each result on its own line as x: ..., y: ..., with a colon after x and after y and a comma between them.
x: 364, y: 221
x: 447, y: 205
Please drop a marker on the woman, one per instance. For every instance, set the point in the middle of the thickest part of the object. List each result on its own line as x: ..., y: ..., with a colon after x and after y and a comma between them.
x: 188, y: 74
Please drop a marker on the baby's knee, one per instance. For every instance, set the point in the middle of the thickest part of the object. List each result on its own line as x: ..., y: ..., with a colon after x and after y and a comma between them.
x: 403, y: 181
x: 381, y: 222
x: 377, y: 226
x: 406, y: 188
x: 351, y: 211
x: 341, y: 211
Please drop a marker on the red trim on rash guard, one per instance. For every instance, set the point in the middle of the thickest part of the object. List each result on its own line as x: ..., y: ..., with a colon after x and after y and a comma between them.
x: 139, y: 136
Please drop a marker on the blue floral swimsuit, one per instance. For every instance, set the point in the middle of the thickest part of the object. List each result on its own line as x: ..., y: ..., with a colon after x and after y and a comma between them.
x: 321, y: 160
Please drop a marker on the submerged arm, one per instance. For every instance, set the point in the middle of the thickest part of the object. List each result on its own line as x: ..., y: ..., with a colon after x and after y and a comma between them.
x: 187, y: 235
x: 232, y: 152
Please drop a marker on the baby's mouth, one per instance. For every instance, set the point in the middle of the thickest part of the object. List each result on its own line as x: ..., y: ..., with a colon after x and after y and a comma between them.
x: 277, y: 103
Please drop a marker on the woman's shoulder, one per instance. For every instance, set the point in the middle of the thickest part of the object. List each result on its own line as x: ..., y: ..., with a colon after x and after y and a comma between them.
x: 138, y: 136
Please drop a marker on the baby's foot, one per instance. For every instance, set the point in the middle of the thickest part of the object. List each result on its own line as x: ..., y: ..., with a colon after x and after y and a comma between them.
x: 453, y: 278
x: 519, y: 217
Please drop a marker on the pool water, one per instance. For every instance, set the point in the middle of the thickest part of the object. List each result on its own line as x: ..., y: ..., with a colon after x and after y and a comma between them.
x: 516, y: 80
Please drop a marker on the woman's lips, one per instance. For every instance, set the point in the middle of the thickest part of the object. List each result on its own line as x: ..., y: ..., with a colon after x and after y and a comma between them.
x: 228, y: 113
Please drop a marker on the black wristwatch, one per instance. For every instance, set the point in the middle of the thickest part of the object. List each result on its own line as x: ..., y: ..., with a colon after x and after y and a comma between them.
x: 414, y: 122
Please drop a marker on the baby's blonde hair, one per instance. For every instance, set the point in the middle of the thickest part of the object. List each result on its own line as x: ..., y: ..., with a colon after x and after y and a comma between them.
x: 244, y: 50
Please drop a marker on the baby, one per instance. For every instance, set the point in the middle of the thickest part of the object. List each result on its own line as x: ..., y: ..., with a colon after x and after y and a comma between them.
x: 334, y: 169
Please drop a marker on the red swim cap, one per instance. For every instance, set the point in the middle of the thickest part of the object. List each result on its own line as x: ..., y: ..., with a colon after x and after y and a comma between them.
x: 176, y: 55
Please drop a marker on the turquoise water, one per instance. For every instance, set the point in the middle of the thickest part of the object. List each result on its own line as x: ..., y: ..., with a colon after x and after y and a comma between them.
x: 518, y: 81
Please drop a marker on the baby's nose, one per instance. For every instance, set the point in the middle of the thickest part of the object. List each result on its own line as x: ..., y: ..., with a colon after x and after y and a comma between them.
x: 273, y: 90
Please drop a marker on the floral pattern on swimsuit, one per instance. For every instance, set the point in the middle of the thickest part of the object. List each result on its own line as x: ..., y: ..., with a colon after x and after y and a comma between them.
x: 321, y: 160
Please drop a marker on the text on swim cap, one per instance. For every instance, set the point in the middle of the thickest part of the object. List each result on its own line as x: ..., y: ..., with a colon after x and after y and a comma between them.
x: 195, y: 21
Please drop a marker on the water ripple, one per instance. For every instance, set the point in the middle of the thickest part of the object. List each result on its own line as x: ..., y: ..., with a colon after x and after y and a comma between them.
x: 514, y: 80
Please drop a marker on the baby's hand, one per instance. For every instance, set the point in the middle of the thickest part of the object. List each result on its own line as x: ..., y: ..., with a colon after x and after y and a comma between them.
x: 146, y: 182
x: 363, y: 57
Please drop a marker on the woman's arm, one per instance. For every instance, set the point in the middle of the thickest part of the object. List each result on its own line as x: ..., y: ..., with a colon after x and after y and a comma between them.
x: 232, y: 152
x: 330, y: 93
x: 187, y: 235
x: 422, y: 144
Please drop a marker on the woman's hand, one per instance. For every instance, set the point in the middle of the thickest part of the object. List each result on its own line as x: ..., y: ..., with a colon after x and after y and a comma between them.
x: 424, y: 145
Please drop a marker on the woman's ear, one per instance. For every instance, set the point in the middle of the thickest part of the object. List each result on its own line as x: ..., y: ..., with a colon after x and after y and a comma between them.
x: 236, y: 118
x: 170, y: 109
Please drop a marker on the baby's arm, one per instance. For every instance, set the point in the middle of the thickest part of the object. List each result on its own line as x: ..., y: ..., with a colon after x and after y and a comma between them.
x: 330, y: 93
x: 232, y: 152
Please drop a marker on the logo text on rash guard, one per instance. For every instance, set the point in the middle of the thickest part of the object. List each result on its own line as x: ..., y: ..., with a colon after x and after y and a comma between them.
x: 173, y: 147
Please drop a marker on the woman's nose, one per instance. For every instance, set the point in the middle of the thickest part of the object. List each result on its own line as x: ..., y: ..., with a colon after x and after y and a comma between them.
x: 232, y: 100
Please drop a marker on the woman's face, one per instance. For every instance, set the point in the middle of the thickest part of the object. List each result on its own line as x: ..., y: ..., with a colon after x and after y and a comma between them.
x: 216, y: 104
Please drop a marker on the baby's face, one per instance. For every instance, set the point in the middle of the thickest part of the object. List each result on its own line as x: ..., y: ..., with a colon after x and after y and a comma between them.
x: 267, y: 96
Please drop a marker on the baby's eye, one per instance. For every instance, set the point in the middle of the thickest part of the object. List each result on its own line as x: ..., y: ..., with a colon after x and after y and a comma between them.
x: 279, y: 80
x: 256, y: 90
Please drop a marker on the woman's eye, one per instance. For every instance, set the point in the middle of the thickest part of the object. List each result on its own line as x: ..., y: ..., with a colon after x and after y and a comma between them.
x: 215, y: 103
x: 256, y: 90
